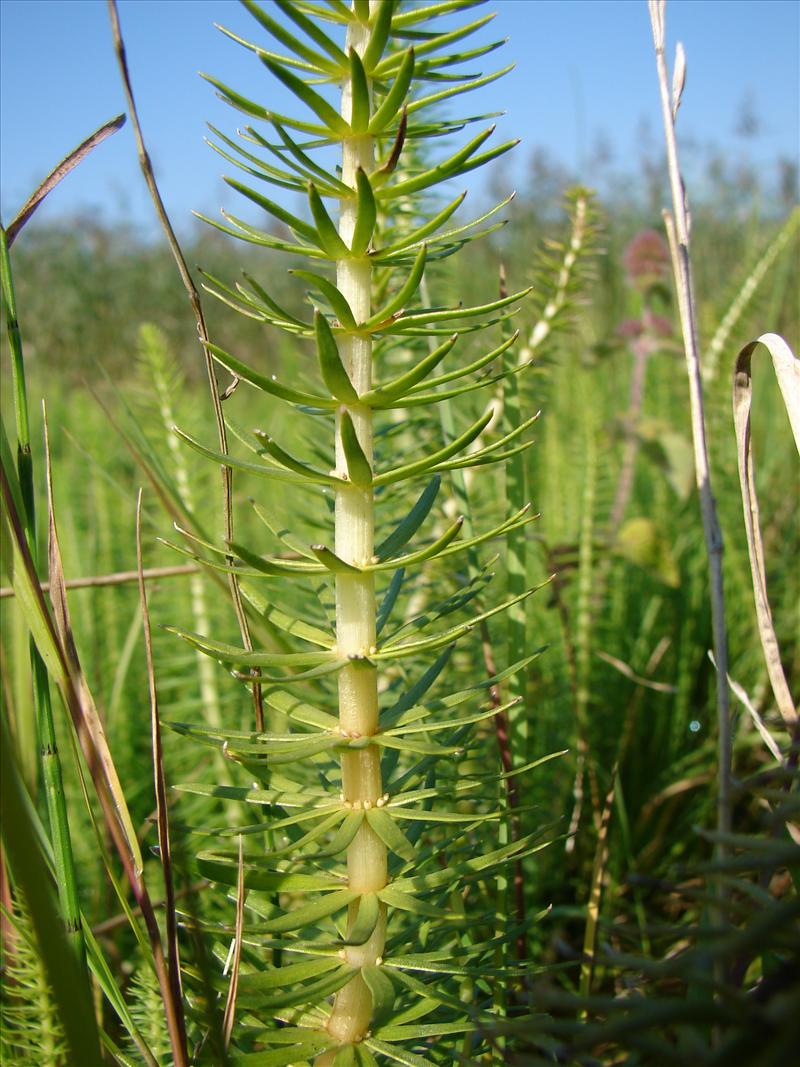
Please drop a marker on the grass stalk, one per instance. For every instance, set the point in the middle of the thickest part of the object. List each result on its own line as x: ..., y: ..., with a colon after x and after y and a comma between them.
x: 55, y: 800
x: 678, y: 234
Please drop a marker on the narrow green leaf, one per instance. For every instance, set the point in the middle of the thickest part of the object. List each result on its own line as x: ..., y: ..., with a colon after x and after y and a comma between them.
x: 522, y: 518
x: 304, y: 1048
x: 418, y: 399
x: 282, y: 620
x: 243, y: 658
x: 403, y: 295
x: 436, y: 548
x: 391, y: 104
x: 408, y: 470
x: 261, y: 299
x: 312, y: 30
x: 291, y: 463
x: 294, y: 544
x: 411, y: 697
x: 397, y: 1054
x: 506, y: 439
x: 276, y: 977
x: 408, y: 526
x: 305, y: 164
x: 303, y: 229
x: 359, y: 88
x: 246, y: 232
x: 473, y: 83
x: 425, y: 1031
x: 345, y: 834
x: 386, y: 392
x: 333, y: 563
x: 429, y: 315
x: 281, y: 34
x: 364, y: 1057
x: 396, y: 898
x: 345, y: 1057
x: 453, y: 723
x: 366, y: 214
x: 267, y: 384
x: 390, y: 833
x: 463, y: 869
x: 328, y: 238
x: 359, y: 469
x: 380, y: 985
x: 369, y: 910
x: 389, y: 599
x: 430, y: 644
x: 312, y: 993
x: 378, y: 38
x: 310, y: 914
x: 314, y: 65
x: 321, y: 108
x: 434, y: 42
x: 422, y: 748
x: 469, y: 368
x: 337, y: 301
x: 424, y: 13
x: 298, y: 710
x: 419, y: 234
x: 460, y: 162
x: 273, y: 566
x: 223, y: 868
x: 330, y: 362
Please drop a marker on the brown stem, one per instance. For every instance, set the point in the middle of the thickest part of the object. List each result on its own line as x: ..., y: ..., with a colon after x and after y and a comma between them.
x: 117, y: 578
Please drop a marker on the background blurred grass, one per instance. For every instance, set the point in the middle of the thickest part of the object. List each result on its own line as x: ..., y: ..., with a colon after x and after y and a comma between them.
x: 85, y: 291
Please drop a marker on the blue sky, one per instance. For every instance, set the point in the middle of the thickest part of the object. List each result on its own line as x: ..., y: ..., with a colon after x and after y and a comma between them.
x: 584, y: 72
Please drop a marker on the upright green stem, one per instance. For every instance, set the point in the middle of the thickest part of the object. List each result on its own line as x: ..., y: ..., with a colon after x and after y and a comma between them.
x: 51, y: 764
x: 355, y: 598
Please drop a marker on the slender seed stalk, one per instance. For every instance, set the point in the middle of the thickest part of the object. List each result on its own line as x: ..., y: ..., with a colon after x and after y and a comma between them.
x: 355, y: 598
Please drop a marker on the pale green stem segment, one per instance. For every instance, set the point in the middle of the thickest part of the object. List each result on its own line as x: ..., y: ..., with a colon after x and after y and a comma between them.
x: 355, y: 601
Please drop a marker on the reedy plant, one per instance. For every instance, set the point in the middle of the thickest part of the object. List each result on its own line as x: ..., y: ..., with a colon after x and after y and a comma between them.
x: 403, y: 799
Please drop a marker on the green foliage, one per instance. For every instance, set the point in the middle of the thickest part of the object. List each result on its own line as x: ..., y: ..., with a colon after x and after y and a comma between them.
x: 400, y: 789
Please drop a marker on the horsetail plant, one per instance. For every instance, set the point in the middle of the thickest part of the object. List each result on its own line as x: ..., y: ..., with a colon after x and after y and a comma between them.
x: 395, y: 954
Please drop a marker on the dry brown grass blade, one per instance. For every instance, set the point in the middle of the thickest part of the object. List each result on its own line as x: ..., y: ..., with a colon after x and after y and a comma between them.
x: 89, y: 726
x: 173, y: 953
x: 59, y: 172
x: 202, y: 333
x: 628, y: 672
x: 233, y: 988
x: 787, y: 371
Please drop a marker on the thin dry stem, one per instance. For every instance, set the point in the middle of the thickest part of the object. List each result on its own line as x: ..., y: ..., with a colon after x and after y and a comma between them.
x: 678, y: 233
x: 95, y: 581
